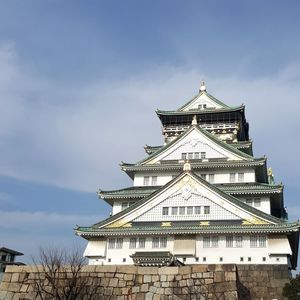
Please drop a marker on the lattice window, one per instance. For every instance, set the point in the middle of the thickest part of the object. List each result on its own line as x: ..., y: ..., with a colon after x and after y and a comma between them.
x: 119, y: 243
x: 132, y: 243
x: 165, y: 211
x: 154, y: 180
x: 211, y: 178
x: 142, y: 242
x: 229, y: 241
x: 240, y: 177
x: 146, y: 180
x: 159, y: 242
x: 232, y: 177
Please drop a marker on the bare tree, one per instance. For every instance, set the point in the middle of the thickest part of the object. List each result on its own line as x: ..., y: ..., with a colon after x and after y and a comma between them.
x: 60, y: 276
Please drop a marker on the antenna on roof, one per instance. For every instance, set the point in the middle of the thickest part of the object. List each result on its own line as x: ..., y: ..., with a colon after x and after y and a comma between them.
x: 202, y: 86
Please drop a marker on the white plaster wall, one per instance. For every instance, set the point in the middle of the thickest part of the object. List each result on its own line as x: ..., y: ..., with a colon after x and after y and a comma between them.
x: 222, y: 176
x: 212, y: 255
x: 117, y: 207
x: 202, y: 99
x: 265, y: 205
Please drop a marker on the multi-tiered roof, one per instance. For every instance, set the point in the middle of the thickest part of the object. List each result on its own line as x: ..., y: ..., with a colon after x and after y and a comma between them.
x: 201, y: 137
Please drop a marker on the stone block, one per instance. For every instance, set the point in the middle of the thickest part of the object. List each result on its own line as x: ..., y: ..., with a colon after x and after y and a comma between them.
x: 157, y: 284
x: 135, y: 289
x: 186, y: 276
x: 147, y: 278
x: 163, y: 277
x: 15, y: 277
x: 152, y: 289
x: 168, y: 270
x: 113, y: 282
x: 14, y: 287
x: 155, y: 278
x: 127, y: 269
x: 149, y: 296
x: 128, y: 277
x: 185, y: 270
x: 139, y: 279
x: 104, y: 269
x: 199, y: 268
x: 165, y: 284
x: 6, y: 277
x: 208, y: 275
x: 144, y: 287
x: 171, y: 277
x: 219, y: 276
x: 182, y: 283
x: 230, y: 276
x: 147, y: 270
x: 121, y: 283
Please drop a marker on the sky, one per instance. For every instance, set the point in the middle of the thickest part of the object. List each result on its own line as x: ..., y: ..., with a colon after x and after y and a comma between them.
x: 80, y: 82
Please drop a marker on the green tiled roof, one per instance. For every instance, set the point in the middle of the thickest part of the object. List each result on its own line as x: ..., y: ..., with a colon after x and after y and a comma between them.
x: 207, y: 134
x: 196, y: 229
x: 231, y: 188
x: 198, y: 112
x: 230, y: 198
x: 208, y: 95
x: 175, y: 165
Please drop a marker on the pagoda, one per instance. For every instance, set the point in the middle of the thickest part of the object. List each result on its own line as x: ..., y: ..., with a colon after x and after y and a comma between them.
x: 199, y: 198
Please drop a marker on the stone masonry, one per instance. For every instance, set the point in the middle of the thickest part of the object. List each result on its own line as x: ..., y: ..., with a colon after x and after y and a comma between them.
x: 226, y: 282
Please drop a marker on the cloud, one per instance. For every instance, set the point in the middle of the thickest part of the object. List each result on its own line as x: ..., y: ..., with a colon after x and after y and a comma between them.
x: 75, y: 135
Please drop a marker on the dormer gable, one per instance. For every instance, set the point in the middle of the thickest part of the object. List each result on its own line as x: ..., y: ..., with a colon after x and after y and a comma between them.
x: 203, y: 101
x: 195, y: 144
x: 189, y: 190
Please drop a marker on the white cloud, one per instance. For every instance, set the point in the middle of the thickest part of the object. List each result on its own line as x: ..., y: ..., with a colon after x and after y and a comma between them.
x: 75, y: 136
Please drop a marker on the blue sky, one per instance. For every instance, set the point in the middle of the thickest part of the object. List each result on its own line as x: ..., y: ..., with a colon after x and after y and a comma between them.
x: 80, y: 81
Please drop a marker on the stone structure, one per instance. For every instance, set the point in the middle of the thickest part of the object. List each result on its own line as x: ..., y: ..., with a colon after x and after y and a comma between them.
x: 226, y: 282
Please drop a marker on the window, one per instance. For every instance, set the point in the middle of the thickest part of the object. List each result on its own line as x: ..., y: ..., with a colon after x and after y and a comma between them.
x: 190, y: 155
x: 111, y: 243
x: 206, y: 210
x: 241, y: 258
x: 132, y: 243
x: 159, y: 242
x: 262, y: 241
x: 189, y: 210
x: 214, y: 241
x: 165, y: 211
x: 203, y: 155
x: 182, y: 210
x: 211, y: 178
x: 125, y: 205
x: 232, y: 177
x: 229, y: 241
x: 258, y: 241
x: 204, y: 259
x: 184, y: 259
x: 249, y: 202
x: 174, y: 211
x: 124, y: 259
x: 238, y: 241
x: 210, y: 242
x: 119, y: 243
x: 203, y: 176
x: 249, y: 258
x: 240, y: 177
x: 154, y: 180
x: 263, y: 259
x: 206, y: 242
x: 204, y: 105
x: 115, y: 243
x: 256, y: 202
x: 142, y: 242
x: 197, y: 210
x: 196, y: 259
x: 183, y: 156
x: 196, y: 155
x: 109, y: 260
x: 146, y: 180
x: 221, y: 258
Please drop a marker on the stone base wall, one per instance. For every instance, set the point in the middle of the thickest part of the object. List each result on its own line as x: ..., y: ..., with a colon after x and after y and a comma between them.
x: 219, y: 282
x: 263, y: 281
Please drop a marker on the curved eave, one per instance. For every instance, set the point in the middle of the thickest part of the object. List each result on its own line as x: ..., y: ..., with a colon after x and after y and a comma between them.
x: 250, y: 229
x: 199, y: 112
x: 204, y: 165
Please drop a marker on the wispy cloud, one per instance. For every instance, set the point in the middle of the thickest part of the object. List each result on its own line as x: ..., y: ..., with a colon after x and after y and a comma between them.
x: 75, y: 136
